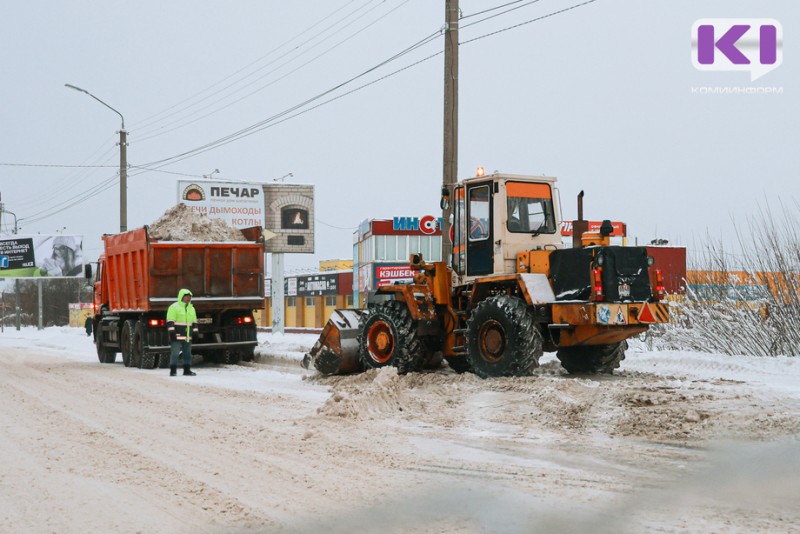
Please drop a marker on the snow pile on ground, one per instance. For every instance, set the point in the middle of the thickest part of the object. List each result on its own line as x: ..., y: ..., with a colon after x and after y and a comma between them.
x: 182, y: 223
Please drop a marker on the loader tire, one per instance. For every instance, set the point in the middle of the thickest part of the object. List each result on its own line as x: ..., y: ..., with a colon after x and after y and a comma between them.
x: 126, y: 343
x: 387, y: 336
x: 502, y: 338
x: 594, y: 359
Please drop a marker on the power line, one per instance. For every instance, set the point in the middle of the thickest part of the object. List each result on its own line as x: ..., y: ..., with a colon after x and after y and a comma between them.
x: 73, y: 179
x: 537, y: 19
x: 179, y: 124
x: 146, y: 123
x: 491, y: 9
x: 73, y: 201
x: 257, y: 126
x: 59, y: 165
x: 146, y: 169
x: 499, y: 14
x: 288, y: 113
x: 336, y: 227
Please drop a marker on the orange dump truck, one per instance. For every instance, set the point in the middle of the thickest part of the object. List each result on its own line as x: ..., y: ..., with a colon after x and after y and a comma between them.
x: 137, y: 278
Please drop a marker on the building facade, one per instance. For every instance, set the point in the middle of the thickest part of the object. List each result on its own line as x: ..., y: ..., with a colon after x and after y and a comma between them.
x: 381, y: 249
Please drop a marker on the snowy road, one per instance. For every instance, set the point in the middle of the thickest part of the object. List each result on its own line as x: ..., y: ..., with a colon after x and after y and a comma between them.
x: 672, y: 442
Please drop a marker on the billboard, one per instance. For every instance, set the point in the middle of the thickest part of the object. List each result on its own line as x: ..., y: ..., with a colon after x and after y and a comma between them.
x: 41, y: 255
x: 289, y: 214
x: 240, y: 204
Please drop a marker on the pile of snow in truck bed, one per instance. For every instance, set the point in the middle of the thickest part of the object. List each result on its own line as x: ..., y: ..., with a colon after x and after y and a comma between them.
x: 182, y: 223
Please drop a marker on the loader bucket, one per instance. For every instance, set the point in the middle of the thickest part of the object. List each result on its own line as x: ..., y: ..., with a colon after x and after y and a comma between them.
x: 336, y: 350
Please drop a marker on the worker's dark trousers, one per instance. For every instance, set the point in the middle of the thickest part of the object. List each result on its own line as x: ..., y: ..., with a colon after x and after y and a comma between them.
x: 184, y: 348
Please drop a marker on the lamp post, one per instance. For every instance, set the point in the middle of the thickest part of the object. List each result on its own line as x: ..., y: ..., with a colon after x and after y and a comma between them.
x: 123, y: 163
x: 16, y: 281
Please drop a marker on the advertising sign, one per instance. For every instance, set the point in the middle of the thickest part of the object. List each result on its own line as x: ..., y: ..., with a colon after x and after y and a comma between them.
x: 289, y: 213
x: 291, y: 287
x: 594, y: 228
x: 388, y: 274
x: 41, y: 255
x: 239, y: 204
x: 318, y: 285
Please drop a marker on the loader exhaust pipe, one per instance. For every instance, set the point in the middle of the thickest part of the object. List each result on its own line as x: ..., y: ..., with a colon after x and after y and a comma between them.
x: 579, y: 226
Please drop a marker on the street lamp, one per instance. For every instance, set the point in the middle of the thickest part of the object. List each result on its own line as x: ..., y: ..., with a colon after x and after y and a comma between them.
x: 123, y: 163
x: 16, y: 280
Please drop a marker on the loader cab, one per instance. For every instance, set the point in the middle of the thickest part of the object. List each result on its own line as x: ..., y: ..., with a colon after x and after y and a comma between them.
x: 498, y: 216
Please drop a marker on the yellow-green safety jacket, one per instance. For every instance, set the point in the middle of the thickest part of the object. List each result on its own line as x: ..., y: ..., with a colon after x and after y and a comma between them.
x: 181, y: 319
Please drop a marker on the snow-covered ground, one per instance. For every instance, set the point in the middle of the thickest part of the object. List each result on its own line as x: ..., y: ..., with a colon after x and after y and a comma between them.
x: 672, y: 442
x: 282, y: 354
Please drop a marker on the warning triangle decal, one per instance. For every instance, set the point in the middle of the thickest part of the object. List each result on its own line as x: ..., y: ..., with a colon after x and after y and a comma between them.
x: 646, y: 315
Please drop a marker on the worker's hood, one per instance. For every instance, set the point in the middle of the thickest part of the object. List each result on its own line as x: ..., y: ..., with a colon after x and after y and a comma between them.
x: 182, y: 293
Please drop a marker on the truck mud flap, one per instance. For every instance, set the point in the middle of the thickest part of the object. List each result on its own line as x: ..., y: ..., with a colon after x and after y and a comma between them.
x: 336, y: 350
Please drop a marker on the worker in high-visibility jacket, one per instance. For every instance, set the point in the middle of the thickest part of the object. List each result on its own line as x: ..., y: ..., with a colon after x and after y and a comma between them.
x: 182, y: 327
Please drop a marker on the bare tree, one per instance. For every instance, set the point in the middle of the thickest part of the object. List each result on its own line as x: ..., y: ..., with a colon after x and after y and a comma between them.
x: 760, y: 316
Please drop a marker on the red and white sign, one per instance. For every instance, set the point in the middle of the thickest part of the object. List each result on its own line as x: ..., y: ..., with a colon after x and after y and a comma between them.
x: 427, y: 224
x: 389, y: 274
x: 594, y: 228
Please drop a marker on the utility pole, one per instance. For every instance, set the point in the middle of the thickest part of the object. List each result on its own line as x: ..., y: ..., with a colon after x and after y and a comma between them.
x: 450, y: 167
x: 123, y: 179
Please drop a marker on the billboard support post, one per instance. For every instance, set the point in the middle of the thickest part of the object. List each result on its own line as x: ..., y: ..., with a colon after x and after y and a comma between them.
x: 276, y: 295
x: 16, y: 303
x: 39, y: 290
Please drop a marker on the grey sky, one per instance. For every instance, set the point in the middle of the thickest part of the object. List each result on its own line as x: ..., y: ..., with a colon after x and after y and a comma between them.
x: 599, y: 96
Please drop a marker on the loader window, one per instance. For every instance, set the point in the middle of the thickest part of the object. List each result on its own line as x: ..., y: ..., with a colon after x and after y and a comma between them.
x: 530, y: 208
x: 478, y: 224
x: 459, y: 250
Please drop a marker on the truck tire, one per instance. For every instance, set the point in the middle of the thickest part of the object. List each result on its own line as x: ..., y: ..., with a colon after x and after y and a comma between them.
x: 232, y: 357
x: 104, y: 354
x: 163, y: 360
x: 502, y: 338
x: 126, y: 343
x: 386, y: 336
x: 248, y: 354
x: 147, y: 360
x: 595, y: 359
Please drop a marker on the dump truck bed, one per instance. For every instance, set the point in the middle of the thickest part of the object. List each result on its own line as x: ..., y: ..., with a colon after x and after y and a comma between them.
x: 144, y: 274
